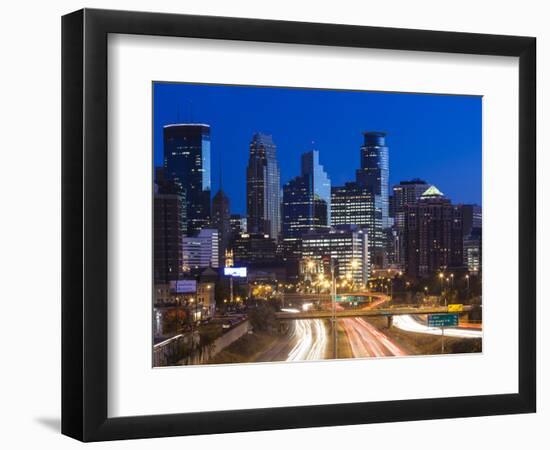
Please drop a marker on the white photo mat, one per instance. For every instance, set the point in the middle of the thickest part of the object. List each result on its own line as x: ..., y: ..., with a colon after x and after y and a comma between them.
x: 135, y: 388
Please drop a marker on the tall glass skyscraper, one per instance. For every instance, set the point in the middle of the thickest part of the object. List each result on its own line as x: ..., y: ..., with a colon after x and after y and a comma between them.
x: 263, y: 197
x: 187, y: 165
x: 306, y: 198
x: 374, y: 171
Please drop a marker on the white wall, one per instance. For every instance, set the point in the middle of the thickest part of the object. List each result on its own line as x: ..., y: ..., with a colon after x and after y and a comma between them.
x: 30, y: 200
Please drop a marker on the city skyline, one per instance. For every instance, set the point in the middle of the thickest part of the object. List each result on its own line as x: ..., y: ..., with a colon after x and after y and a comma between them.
x: 436, y: 164
x: 336, y: 234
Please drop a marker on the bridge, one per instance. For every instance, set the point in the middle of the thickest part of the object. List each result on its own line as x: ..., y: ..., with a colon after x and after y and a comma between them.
x: 327, y: 297
x: 324, y: 314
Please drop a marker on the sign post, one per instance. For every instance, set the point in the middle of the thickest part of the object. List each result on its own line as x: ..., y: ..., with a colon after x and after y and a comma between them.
x: 442, y: 321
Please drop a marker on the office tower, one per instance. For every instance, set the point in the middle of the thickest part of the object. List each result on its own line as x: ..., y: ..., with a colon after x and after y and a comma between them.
x: 433, y: 235
x: 471, y: 216
x: 374, y: 171
x: 345, y: 245
x: 263, y: 202
x: 238, y: 225
x: 221, y: 220
x: 187, y: 165
x: 472, y: 251
x: 201, y: 250
x: 306, y: 198
x: 254, y: 250
x: 167, y: 234
x: 405, y: 193
x: 354, y: 204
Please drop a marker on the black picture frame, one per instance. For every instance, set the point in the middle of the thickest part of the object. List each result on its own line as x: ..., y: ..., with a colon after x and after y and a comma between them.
x: 84, y: 224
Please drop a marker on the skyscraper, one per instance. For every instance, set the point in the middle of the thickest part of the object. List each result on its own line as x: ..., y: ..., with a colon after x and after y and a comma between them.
x: 221, y: 220
x: 167, y: 231
x: 187, y: 165
x: 347, y: 245
x: 406, y: 193
x: 319, y: 180
x: 433, y: 235
x: 263, y: 201
x: 354, y: 204
x: 374, y: 171
x: 201, y: 250
x: 306, y: 198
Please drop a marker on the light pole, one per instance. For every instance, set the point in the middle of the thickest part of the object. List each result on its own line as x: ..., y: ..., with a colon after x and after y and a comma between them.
x: 333, y: 289
x: 441, y: 277
x: 467, y: 286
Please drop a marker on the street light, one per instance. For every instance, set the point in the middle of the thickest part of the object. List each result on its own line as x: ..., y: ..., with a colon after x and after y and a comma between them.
x: 441, y: 278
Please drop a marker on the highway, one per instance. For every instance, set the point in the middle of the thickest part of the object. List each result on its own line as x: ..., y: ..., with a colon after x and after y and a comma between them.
x: 311, y: 340
x: 366, y: 341
x: 409, y: 323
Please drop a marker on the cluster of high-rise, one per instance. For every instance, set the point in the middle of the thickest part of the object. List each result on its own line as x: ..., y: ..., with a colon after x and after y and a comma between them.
x: 307, y: 223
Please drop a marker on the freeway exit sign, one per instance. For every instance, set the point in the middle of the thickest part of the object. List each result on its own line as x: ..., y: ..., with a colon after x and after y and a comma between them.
x: 442, y: 320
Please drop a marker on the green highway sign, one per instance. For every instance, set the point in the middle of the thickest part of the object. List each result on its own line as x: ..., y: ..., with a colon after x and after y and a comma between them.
x: 442, y: 320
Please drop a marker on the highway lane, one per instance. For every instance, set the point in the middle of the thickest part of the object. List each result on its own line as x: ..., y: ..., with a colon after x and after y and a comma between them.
x: 409, y: 323
x: 310, y: 337
x: 367, y: 341
x: 307, y: 340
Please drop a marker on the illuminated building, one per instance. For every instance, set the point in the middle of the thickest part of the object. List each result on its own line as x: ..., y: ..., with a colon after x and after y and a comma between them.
x: 201, y: 250
x: 353, y: 204
x: 433, y: 235
x: 263, y: 203
x: 306, y: 198
x: 346, y: 246
x: 187, y: 165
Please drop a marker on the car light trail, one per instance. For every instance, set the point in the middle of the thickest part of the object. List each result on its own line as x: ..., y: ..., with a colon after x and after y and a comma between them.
x: 311, y: 340
x: 408, y: 323
x: 366, y: 341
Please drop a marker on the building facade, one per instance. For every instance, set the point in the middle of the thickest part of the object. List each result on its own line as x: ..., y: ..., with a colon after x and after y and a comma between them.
x: 167, y: 235
x: 346, y: 246
x: 354, y: 204
x: 472, y: 251
x: 201, y: 250
x: 221, y: 220
x: 254, y: 249
x: 374, y: 170
x: 433, y: 235
x: 405, y: 193
x: 187, y: 165
x: 306, y: 199
x: 263, y: 202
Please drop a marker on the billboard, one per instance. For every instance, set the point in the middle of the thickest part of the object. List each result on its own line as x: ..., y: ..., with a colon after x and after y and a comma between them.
x: 184, y: 286
x: 235, y: 272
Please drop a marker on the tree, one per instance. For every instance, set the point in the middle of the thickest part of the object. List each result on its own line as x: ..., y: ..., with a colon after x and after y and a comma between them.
x: 262, y: 318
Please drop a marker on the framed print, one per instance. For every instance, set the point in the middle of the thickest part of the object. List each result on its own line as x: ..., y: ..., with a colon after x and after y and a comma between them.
x: 273, y: 224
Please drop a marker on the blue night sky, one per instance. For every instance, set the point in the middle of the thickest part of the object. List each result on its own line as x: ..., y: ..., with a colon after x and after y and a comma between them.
x: 433, y: 137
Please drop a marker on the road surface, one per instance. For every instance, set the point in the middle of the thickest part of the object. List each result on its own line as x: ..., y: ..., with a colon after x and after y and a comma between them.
x: 409, y: 323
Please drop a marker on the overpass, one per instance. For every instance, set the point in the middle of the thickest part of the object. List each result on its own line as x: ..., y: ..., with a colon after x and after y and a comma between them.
x: 323, y: 314
x: 327, y: 297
